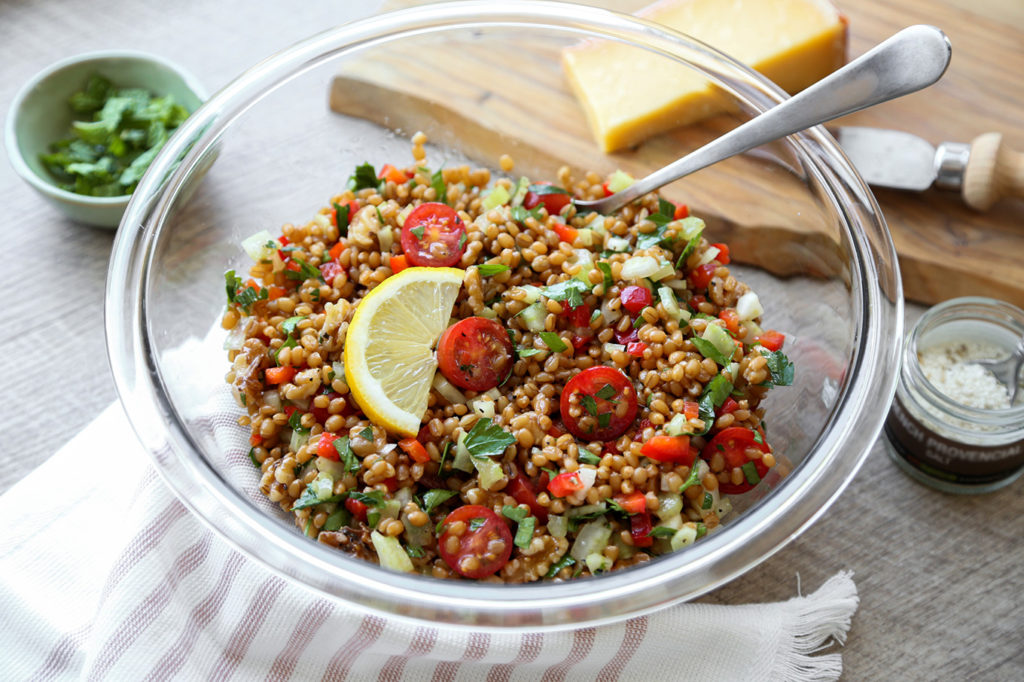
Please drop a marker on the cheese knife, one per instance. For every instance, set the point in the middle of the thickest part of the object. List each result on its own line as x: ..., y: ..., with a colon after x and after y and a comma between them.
x: 983, y: 171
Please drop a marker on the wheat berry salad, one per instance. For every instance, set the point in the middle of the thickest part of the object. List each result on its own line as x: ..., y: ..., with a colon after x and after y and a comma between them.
x: 467, y: 378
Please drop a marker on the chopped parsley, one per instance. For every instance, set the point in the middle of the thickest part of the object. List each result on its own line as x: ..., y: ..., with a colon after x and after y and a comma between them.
x: 589, y: 404
x: 252, y: 456
x: 477, y: 523
x: 606, y: 392
x: 779, y: 366
x: 710, y: 351
x: 435, y: 497
x: 241, y: 295
x: 553, y: 341
x: 555, y: 569
x: 524, y: 533
x: 520, y: 214
x: 571, y: 291
x: 693, y: 478
x: 364, y: 177
x: 295, y: 422
x: 517, y: 514
x: 606, y: 270
x: 588, y: 457
x: 366, y: 433
x: 305, y: 271
x: 437, y: 182
x: 708, y: 501
x: 662, y: 532
x: 342, y: 218
x: 688, y: 249
x: 444, y: 456
x: 414, y: 552
x: 288, y: 326
x: 715, y: 393
x: 527, y: 352
x: 616, y: 507
x: 490, y: 269
x: 345, y: 454
x: 750, y: 472
x: 418, y: 231
x: 661, y: 219
x: 486, y: 439
x: 371, y: 499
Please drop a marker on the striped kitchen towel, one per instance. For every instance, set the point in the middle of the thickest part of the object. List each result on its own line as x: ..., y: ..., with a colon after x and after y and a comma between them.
x: 104, y: 575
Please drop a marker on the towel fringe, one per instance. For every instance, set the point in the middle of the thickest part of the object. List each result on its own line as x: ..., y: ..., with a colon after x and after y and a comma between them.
x: 813, y: 623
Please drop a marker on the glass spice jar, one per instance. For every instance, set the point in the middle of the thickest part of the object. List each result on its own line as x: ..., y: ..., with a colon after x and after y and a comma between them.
x: 945, y: 442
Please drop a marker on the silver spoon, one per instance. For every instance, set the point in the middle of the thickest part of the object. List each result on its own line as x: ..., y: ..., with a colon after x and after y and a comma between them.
x: 1007, y: 370
x: 911, y: 60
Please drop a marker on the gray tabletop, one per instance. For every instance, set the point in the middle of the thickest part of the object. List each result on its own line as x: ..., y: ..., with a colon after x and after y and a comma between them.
x: 939, y: 576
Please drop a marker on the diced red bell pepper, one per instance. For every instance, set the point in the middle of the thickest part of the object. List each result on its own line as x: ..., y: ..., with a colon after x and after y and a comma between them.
x: 607, y: 192
x: 627, y: 337
x: 399, y: 263
x: 636, y: 348
x: 633, y: 503
x: 723, y: 253
x: 280, y: 375
x: 727, y: 407
x: 691, y: 410
x: 771, y: 339
x: 275, y: 292
x: 635, y: 298
x: 565, y: 483
x: 255, y: 440
x: 578, y: 316
x: 662, y: 448
x: 415, y: 450
x: 325, y: 446
x: 392, y: 174
x: 682, y: 211
x: 731, y: 319
x: 356, y: 508
x: 640, y: 530
x: 566, y: 233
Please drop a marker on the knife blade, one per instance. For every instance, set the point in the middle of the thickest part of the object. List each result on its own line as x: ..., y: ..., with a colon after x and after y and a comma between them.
x: 983, y: 171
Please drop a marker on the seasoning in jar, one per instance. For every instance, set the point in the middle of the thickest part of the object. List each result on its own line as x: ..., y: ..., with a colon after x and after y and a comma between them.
x: 952, y: 424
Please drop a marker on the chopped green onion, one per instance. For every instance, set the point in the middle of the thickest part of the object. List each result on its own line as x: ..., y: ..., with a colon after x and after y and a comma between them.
x: 553, y: 341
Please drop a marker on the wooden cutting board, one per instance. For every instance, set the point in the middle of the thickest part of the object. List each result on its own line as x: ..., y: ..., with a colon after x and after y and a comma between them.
x: 945, y: 249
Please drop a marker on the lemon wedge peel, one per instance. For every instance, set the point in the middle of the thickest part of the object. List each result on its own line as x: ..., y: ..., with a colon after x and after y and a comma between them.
x: 389, y: 346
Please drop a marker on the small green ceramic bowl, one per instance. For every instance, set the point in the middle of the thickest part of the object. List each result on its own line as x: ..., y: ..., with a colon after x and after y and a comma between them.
x: 39, y: 116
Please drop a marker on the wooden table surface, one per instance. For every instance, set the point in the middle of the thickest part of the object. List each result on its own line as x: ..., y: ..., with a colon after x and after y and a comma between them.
x: 940, y: 577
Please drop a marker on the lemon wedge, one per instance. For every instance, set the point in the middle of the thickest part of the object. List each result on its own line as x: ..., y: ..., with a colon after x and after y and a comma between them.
x: 389, y: 347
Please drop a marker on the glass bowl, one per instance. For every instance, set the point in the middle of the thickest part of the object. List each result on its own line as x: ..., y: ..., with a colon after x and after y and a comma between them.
x: 804, y: 229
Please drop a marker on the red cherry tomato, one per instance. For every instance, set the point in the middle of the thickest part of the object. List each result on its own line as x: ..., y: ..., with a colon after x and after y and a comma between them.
x: 356, y: 508
x: 640, y: 530
x: 627, y: 337
x: 433, y: 236
x: 475, y: 353
x: 415, y: 450
x: 731, y: 319
x: 682, y: 211
x: 606, y: 401
x: 728, y: 407
x: 565, y: 483
x: 579, y: 316
x: 733, y: 443
x: 635, y: 298
x: 554, y: 202
x: 771, y: 339
x: 723, y: 253
x: 675, y: 449
x: 330, y: 270
x: 522, y: 490
x: 701, y: 275
x: 482, y: 548
x: 636, y: 348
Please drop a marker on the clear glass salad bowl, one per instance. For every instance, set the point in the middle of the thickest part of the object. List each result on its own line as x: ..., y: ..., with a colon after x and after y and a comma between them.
x: 804, y: 230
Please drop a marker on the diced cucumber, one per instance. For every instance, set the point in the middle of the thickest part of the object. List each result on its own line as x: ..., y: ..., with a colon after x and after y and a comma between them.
x: 390, y: 553
x: 256, y: 246
x: 686, y: 535
x: 587, y: 510
x: 532, y: 293
x: 533, y: 317
x: 417, y: 536
x: 489, y: 471
x: 720, y: 339
x: 592, y: 538
x: 331, y: 467
x: 619, y: 181
x: 665, y: 269
x: 639, y: 267
x: 669, y: 505
x: 586, y: 236
x: 619, y: 244
x: 322, y: 486
x: 519, y: 191
x: 462, y: 461
x: 558, y: 526
x: 498, y: 196
x: 340, y: 517
x: 749, y: 307
x: 585, y: 259
x: 613, y: 348
x: 671, y: 305
x: 689, y: 227
x: 598, y: 563
x: 678, y: 426
x: 297, y: 440
x: 483, y: 407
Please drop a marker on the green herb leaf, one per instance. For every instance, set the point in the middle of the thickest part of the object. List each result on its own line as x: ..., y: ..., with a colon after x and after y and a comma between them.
x: 589, y: 404
x: 708, y: 501
x: 515, y: 513
x: 437, y: 182
x: 477, y: 523
x: 527, y: 352
x: 305, y: 271
x: 779, y: 366
x: 414, y: 552
x: 295, y: 422
x: 371, y: 499
x: 444, y: 456
x: 542, y: 189
x: 662, y: 532
x: 435, y: 497
x: 288, y: 326
x: 557, y: 567
x: 616, y: 507
x: 252, y: 456
x: 524, y: 534
x: 520, y: 214
x: 710, y: 351
x: 339, y: 518
x: 715, y: 393
x: 309, y: 498
x: 346, y: 455
x: 553, y: 341
x: 418, y: 231
x: 588, y: 457
x: 606, y: 270
x: 604, y: 420
x: 650, y: 239
x: 486, y: 439
x: 606, y: 392
x: 366, y: 433
x: 687, y: 250
x: 491, y: 269
x: 364, y: 177
x: 693, y: 478
x: 758, y: 438
x: 750, y: 471
x: 342, y: 218
x: 702, y: 530
x: 571, y: 291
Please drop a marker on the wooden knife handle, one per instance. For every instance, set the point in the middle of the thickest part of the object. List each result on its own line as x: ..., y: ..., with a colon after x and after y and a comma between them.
x: 993, y: 172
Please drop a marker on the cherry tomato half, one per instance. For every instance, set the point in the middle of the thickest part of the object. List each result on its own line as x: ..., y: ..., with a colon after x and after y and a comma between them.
x: 433, y: 236
x: 701, y: 275
x: 733, y: 443
x: 475, y: 353
x: 521, y: 488
x: 553, y: 201
x: 675, y: 449
x: 483, y: 546
x: 635, y: 298
x: 606, y: 401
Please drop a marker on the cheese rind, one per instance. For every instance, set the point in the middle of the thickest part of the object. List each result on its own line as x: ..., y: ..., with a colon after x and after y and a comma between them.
x: 630, y: 94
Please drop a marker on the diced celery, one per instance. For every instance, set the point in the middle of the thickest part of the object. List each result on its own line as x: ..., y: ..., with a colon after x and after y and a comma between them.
x: 598, y: 563
x: 386, y: 237
x: 585, y: 259
x: 498, y: 196
x: 462, y: 461
x: 619, y: 181
x: 619, y: 244
x: 613, y: 348
x: 585, y: 236
x: 447, y: 391
x: 587, y: 510
x: 532, y: 293
x: 331, y: 467
x: 671, y: 305
x: 686, y: 535
x: 593, y: 537
x: 720, y: 339
x: 297, y: 440
x: 665, y: 269
x: 390, y: 553
x: 519, y: 191
x: 669, y: 504
x: 708, y: 256
x: 638, y: 267
x: 558, y: 526
x: 483, y: 407
x: 689, y: 227
x: 678, y: 426
x: 533, y: 317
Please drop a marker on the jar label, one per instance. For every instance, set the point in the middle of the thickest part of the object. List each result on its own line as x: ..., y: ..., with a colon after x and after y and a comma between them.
x: 948, y: 459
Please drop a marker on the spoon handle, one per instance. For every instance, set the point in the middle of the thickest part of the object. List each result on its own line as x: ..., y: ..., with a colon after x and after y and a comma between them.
x: 910, y: 60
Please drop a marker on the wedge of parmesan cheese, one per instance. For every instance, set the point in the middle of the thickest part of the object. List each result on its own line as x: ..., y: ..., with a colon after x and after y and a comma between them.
x: 630, y: 94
